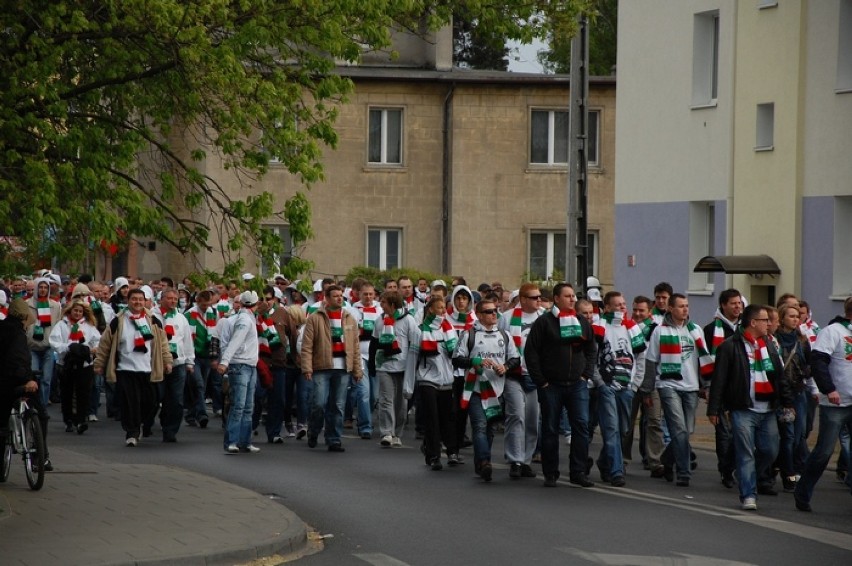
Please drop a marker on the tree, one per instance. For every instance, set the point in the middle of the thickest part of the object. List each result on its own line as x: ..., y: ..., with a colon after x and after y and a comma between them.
x: 105, y: 106
x: 475, y: 47
x: 603, y: 41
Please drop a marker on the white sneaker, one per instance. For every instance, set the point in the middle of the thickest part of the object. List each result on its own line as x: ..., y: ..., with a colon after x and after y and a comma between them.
x: 568, y: 439
x: 250, y: 448
x: 233, y: 448
x: 92, y: 418
x: 749, y: 504
x: 386, y: 441
x: 396, y: 442
x: 130, y: 442
x: 277, y: 440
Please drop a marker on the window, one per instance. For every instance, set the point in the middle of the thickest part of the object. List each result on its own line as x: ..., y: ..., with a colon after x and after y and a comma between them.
x: 547, y: 254
x: 592, y: 252
x: 765, y: 126
x: 842, y: 276
x: 592, y: 130
x: 702, y: 236
x: 282, y: 231
x: 764, y: 4
x: 549, y: 137
x: 383, y: 247
x: 705, y: 59
x: 385, y: 138
x: 844, y: 48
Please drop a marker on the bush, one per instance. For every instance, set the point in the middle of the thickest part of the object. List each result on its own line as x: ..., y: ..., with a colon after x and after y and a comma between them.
x: 378, y: 277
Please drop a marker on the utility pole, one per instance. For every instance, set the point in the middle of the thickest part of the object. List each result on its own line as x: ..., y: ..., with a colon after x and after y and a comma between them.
x: 576, y: 261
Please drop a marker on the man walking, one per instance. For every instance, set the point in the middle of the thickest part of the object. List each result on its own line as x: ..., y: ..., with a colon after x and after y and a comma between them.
x: 170, y: 390
x: 47, y: 313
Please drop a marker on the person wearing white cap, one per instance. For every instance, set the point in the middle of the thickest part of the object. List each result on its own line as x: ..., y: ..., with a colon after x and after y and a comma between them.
x: 4, y: 305
x: 247, y: 277
x: 47, y: 313
x: 120, y: 288
x: 240, y: 349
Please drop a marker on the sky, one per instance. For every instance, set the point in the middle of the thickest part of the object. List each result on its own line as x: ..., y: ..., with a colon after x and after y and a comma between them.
x: 526, y: 57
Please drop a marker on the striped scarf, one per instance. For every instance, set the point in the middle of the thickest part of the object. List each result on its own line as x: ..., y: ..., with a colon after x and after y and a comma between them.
x: 718, y: 335
x: 95, y: 304
x: 569, y: 326
x: 169, y: 327
x: 760, y: 367
x: 475, y: 382
x: 207, y: 321
x: 311, y: 309
x: 44, y: 319
x: 223, y: 307
x: 810, y: 329
x: 646, y: 327
x: 460, y: 320
x: 369, y: 316
x: 4, y: 312
x: 142, y: 332
x: 658, y: 315
x: 434, y: 331
x: 516, y: 323
x: 387, y: 340
x: 76, y: 334
x: 670, y: 351
x: 634, y: 333
x: 268, y: 338
x: 335, y: 320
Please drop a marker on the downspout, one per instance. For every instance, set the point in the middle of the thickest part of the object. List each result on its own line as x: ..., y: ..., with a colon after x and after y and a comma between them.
x: 447, y: 181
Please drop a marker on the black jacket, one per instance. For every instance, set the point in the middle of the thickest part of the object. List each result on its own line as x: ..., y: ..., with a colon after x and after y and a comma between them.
x: 14, y: 355
x: 550, y: 359
x: 731, y: 384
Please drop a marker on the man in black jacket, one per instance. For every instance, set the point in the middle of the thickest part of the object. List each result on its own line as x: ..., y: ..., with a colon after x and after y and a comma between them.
x: 560, y: 355
x: 748, y: 380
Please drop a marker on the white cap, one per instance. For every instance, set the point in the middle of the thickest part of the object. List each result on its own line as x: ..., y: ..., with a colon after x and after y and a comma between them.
x: 248, y: 276
x: 248, y: 298
x: 594, y: 295
x: 592, y: 281
x: 514, y: 294
x: 438, y: 283
x: 318, y: 286
x: 4, y: 300
x: 279, y: 294
x: 54, y: 278
x: 279, y: 276
x: 149, y: 293
x: 120, y: 282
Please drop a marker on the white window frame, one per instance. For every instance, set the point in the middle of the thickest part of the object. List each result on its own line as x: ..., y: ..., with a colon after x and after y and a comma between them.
x: 841, y: 285
x: 702, y: 235
x: 283, y: 231
x: 551, y: 138
x: 705, y: 59
x: 382, y: 251
x: 596, y: 142
x: 765, y: 127
x: 383, y: 150
x: 844, y: 48
x: 593, y: 252
x: 551, y: 262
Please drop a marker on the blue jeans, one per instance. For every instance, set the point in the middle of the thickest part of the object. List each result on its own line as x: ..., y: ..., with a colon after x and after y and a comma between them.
x: 328, y: 405
x: 755, y: 447
x: 275, y: 403
x: 170, y: 392
x: 360, y: 396
x: 679, y: 412
x: 793, y: 447
x: 242, y: 381
x: 95, y: 401
x: 304, y: 399
x: 44, y: 362
x: 203, y: 370
x: 845, y: 444
x: 831, y: 420
x: 610, y: 461
x: 575, y: 398
x: 482, y: 430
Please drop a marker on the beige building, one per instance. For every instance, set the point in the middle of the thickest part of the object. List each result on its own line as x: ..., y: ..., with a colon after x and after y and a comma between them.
x: 446, y: 170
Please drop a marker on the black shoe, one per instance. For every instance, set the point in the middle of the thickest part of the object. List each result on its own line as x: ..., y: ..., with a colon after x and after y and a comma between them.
x: 618, y: 481
x: 418, y: 436
x: 454, y: 460
x: 335, y: 448
x: 48, y: 467
x: 550, y: 481
x: 436, y: 465
x: 668, y: 473
x: 605, y: 477
x: 728, y: 481
x: 682, y: 483
x: 589, y: 464
x: 191, y: 422
x: 366, y: 436
x: 582, y: 480
x: 515, y: 471
x: 82, y: 427
x: 169, y: 438
x: 146, y: 432
x: 202, y: 422
x: 658, y: 472
x: 466, y: 442
x: 312, y: 442
x: 766, y: 490
x: 69, y: 427
x: 527, y: 471
x: 789, y: 484
x: 485, y: 471
x: 802, y: 505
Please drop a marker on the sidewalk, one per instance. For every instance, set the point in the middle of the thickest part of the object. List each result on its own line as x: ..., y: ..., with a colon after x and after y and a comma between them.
x: 138, y: 514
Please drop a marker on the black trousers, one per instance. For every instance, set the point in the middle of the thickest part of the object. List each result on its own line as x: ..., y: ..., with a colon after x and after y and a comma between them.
x: 136, y: 400
x: 439, y: 423
x: 76, y: 384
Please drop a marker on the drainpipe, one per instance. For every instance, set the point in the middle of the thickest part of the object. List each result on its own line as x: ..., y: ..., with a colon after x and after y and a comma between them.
x: 447, y: 181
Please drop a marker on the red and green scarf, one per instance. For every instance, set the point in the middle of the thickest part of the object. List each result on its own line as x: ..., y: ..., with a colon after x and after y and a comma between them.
x: 268, y: 338
x: 335, y: 320
x: 387, y: 339
x: 670, y: 351
x: 142, y: 332
x: 760, y: 368
x: 646, y: 327
x: 369, y: 316
x: 223, y: 307
x: 460, y: 320
x: 569, y: 325
x: 43, y: 318
x: 76, y: 334
x: 634, y: 333
x: 475, y: 382
x: 169, y: 327
x: 4, y: 312
x: 810, y: 329
x: 437, y: 330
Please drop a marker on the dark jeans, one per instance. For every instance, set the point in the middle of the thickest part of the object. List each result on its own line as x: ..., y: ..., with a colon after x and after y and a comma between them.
x: 438, y: 421
x: 76, y: 383
x: 725, y: 461
x: 136, y: 400
x: 460, y: 415
x: 275, y: 403
x: 574, y: 397
x: 170, y: 394
x: 290, y: 399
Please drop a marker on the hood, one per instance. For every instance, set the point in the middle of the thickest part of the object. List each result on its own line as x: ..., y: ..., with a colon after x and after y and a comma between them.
x: 19, y: 309
x: 461, y: 289
x: 38, y: 281
x: 80, y: 290
x: 120, y: 282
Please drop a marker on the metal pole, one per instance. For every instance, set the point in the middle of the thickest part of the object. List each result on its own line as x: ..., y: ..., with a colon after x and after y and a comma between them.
x: 575, y: 243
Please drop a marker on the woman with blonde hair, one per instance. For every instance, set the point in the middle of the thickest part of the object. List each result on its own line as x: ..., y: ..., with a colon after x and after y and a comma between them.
x: 74, y: 339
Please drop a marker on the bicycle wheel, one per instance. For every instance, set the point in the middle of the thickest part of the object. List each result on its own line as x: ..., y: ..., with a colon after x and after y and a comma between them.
x: 33, y: 451
x: 5, y: 457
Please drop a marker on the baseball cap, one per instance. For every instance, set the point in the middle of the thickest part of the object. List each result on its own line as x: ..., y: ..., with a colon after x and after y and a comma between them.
x: 248, y: 276
x: 248, y: 298
x: 438, y: 283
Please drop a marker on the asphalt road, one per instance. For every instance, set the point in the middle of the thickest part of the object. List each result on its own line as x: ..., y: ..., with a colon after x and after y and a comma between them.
x: 384, y: 507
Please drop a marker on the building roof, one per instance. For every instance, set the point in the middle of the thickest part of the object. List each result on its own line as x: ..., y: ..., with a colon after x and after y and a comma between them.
x: 457, y: 75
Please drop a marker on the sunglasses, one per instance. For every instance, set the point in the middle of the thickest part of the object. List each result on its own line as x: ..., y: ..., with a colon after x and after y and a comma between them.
x: 534, y: 297
x: 488, y: 311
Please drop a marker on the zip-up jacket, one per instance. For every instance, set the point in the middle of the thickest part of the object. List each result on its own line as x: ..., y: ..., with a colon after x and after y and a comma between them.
x: 550, y: 359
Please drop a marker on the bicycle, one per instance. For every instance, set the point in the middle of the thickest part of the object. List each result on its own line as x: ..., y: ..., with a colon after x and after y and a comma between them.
x: 24, y: 437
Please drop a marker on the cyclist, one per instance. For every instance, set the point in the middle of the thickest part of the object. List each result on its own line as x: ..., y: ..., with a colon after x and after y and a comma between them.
x: 15, y: 361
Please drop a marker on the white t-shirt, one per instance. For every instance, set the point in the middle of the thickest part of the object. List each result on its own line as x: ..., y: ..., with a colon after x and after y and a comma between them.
x: 836, y: 341
x: 688, y: 360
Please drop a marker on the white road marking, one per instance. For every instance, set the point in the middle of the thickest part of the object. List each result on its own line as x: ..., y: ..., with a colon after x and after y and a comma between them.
x: 379, y: 559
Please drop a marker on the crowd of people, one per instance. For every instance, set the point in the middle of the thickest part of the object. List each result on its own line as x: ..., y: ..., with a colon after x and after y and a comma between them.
x: 537, y: 364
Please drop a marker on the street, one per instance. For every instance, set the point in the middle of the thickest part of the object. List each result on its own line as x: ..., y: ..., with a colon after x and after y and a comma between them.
x: 384, y: 507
